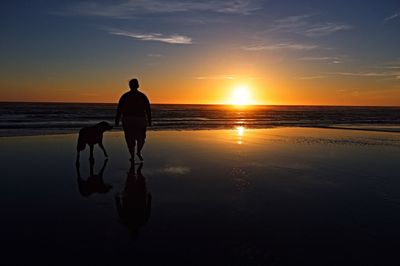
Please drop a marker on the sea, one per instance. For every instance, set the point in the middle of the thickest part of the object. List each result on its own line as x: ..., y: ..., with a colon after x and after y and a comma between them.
x: 24, y: 119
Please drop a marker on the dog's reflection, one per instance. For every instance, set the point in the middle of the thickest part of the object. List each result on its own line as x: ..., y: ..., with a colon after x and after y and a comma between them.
x: 94, y: 183
x: 134, y: 202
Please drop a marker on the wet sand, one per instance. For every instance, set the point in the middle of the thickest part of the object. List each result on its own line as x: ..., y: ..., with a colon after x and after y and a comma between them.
x: 284, y: 196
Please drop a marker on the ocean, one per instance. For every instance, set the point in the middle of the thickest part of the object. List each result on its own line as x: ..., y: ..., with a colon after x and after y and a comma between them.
x: 21, y: 119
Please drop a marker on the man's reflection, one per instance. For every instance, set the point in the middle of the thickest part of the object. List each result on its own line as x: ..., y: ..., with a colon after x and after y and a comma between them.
x: 94, y: 183
x: 134, y: 202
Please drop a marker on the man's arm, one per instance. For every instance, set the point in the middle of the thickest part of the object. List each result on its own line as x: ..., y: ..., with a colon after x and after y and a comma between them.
x: 148, y: 111
x: 119, y: 110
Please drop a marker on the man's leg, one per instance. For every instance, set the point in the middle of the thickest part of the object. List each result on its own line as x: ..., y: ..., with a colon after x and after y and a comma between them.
x: 140, y: 144
x: 130, y: 141
x: 141, y: 136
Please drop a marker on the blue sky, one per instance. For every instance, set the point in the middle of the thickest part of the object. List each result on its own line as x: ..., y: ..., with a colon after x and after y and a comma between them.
x: 102, y: 43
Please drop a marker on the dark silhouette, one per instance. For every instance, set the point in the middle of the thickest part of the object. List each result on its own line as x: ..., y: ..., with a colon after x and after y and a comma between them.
x: 91, y: 136
x: 134, y: 106
x: 94, y: 183
x: 134, y: 202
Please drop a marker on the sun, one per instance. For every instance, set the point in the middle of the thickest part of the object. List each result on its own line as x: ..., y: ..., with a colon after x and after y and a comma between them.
x: 241, y: 95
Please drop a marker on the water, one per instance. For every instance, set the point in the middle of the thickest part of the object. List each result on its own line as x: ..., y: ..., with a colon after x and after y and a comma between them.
x: 285, y: 196
x: 56, y: 118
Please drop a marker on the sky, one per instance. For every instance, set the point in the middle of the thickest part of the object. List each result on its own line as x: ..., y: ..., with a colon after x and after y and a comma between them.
x: 313, y: 52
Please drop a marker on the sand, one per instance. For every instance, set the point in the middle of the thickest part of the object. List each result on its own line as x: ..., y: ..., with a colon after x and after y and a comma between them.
x: 284, y: 196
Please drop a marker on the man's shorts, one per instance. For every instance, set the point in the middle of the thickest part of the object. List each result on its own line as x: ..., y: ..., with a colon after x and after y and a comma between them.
x: 135, y: 127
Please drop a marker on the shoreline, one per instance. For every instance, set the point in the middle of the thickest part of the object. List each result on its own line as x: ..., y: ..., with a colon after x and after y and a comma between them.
x: 366, y: 128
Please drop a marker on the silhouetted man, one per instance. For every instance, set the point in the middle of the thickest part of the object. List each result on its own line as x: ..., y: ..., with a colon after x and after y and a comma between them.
x: 134, y: 106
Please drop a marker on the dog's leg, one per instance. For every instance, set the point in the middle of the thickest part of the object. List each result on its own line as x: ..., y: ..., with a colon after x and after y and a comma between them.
x: 103, y: 168
x: 80, y: 146
x: 102, y: 147
x: 91, y: 158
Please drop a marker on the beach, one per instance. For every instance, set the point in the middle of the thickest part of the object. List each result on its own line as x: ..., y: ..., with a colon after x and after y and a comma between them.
x: 278, y: 196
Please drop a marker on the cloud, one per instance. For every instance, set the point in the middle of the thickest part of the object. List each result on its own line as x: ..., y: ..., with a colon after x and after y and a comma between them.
x: 281, y: 46
x: 384, y: 74
x: 131, y: 8
x: 394, y: 16
x: 158, y: 37
x: 325, y: 29
x: 392, y: 68
x: 360, y: 74
x: 154, y: 55
x: 330, y: 59
x: 312, y: 77
x: 303, y: 25
x: 290, y: 23
x: 216, y: 77
x: 322, y: 58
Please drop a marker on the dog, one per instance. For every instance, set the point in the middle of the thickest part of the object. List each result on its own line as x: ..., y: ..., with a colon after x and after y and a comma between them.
x: 92, y: 135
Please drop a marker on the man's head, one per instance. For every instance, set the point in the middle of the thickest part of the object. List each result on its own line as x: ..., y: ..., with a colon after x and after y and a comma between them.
x: 134, y: 84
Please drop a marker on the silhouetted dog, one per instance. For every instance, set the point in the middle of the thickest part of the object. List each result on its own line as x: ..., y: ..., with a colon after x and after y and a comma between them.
x: 91, y: 136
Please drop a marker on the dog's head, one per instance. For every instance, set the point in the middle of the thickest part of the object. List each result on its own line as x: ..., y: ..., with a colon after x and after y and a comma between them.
x: 104, y: 126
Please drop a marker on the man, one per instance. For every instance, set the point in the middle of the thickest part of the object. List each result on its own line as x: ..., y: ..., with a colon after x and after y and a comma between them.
x: 134, y: 106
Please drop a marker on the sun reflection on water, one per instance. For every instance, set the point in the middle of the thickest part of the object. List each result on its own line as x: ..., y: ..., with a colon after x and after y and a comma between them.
x: 240, y: 134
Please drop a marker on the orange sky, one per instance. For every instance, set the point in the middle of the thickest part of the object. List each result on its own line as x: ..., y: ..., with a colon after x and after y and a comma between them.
x: 217, y: 89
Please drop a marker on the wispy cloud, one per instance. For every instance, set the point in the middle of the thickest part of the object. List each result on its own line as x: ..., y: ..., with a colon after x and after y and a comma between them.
x: 360, y: 74
x: 158, y: 37
x: 154, y: 55
x: 215, y: 77
x: 330, y: 59
x: 394, y: 16
x: 392, y: 67
x: 303, y: 24
x: 281, y: 46
x: 384, y: 74
x: 290, y: 23
x: 325, y: 29
x: 130, y: 8
x: 312, y: 77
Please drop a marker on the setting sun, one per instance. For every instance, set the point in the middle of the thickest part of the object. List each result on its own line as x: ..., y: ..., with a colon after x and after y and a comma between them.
x: 241, y: 95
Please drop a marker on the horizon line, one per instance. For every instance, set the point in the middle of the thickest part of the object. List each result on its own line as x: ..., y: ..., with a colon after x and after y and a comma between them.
x: 222, y: 104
